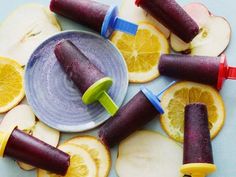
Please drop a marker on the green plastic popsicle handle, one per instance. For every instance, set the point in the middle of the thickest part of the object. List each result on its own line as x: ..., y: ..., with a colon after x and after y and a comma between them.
x: 108, y: 103
x: 98, y: 92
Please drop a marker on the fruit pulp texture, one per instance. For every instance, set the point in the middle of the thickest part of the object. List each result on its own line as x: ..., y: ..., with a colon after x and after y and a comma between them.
x: 85, y: 12
x: 132, y: 116
x: 173, y: 16
x: 197, y: 142
x: 193, y: 68
x: 77, y: 66
x: 27, y: 149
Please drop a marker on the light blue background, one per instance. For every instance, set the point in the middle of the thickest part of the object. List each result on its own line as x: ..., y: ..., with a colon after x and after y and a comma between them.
x: 223, y: 145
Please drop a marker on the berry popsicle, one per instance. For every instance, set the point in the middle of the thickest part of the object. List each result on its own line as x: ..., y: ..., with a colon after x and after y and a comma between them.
x: 92, y: 83
x: 173, y: 16
x: 141, y: 109
x: 28, y: 149
x: 100, y: 17
x: 198, y: 156
x: 203, y: 69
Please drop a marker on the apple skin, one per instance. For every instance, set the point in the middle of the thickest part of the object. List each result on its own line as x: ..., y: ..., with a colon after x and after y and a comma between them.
x: 205, y: 43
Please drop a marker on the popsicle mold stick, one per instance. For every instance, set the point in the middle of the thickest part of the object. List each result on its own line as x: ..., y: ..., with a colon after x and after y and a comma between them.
x: 154, y: 99
x: 125, y: 26
x: 231, y: 74
x: 112, y: 22
x: 162, y: 91
x: 225, y: 72
x: 98, y: 92
x: 198, y: 169
x: 4, y: 137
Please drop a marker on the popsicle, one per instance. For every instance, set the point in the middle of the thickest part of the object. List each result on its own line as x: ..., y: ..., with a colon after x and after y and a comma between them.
x: 100, y: 17
x: 203, y: 69
x: 198, y: 156
x: 92, y: 83
x: 28, y: 149
x: 173, y: 16
x: 141, y: 109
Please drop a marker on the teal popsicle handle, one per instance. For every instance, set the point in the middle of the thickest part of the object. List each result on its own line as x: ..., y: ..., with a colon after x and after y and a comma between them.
x: 125, y: 26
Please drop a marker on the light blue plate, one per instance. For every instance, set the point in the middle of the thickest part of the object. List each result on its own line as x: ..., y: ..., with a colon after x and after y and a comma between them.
x: 53, y: 96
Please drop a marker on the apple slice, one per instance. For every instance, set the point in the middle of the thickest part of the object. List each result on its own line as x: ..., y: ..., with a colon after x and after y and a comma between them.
x: 214, y: 36
x: 98, y: 151
x: 137, y: 15
x: 149, y: 154
x: 24, y: 30
x: 23, y: 117
x: 81, y: 163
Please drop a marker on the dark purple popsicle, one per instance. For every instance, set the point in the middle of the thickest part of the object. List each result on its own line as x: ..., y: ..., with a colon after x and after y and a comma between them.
x: 194, y: 68
x: 197, y: 142
x: 135, y: 114
x: 173, y: 16
x: 27, y: 149
x: 77, y: 65
x: 86, y: 12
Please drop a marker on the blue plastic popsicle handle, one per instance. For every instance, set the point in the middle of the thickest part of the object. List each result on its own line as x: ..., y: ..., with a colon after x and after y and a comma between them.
x: 164, y: 89
x: 153, y: 99
x: 125, y: 26
x: 112, y: 22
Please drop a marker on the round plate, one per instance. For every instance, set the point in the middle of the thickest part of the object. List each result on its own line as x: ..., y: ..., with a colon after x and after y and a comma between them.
x: 55, y: 99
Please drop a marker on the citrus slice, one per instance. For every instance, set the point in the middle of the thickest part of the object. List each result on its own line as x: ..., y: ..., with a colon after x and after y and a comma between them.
x: 81, y: 163
x: 11, y: 84
x: 98, y: 151
x: 142, y: 52
x: 178, y: 96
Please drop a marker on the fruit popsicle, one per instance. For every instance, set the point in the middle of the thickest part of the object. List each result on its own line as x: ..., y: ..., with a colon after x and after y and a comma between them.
x: 141, y: 109
x: 203, y: 69
x: 173, y: 16
x: 92, y: 83
x: 198, y: 156
x: 28, y: 149
x: 100, y: 17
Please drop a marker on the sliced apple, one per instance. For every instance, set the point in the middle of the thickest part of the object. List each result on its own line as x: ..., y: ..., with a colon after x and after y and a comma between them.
x: 98, y: 151
x: 81, y: 163
x: 214, y: 36
x: 24, y: 30
x: 137, y: 15
x: 149, y: 154
x: 23, y: 117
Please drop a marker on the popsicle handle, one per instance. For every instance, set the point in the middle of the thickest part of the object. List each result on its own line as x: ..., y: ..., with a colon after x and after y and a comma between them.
x: 108, y: 103
x: 164, y: 89
x: 125, y: 26
x: 231, y: 73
